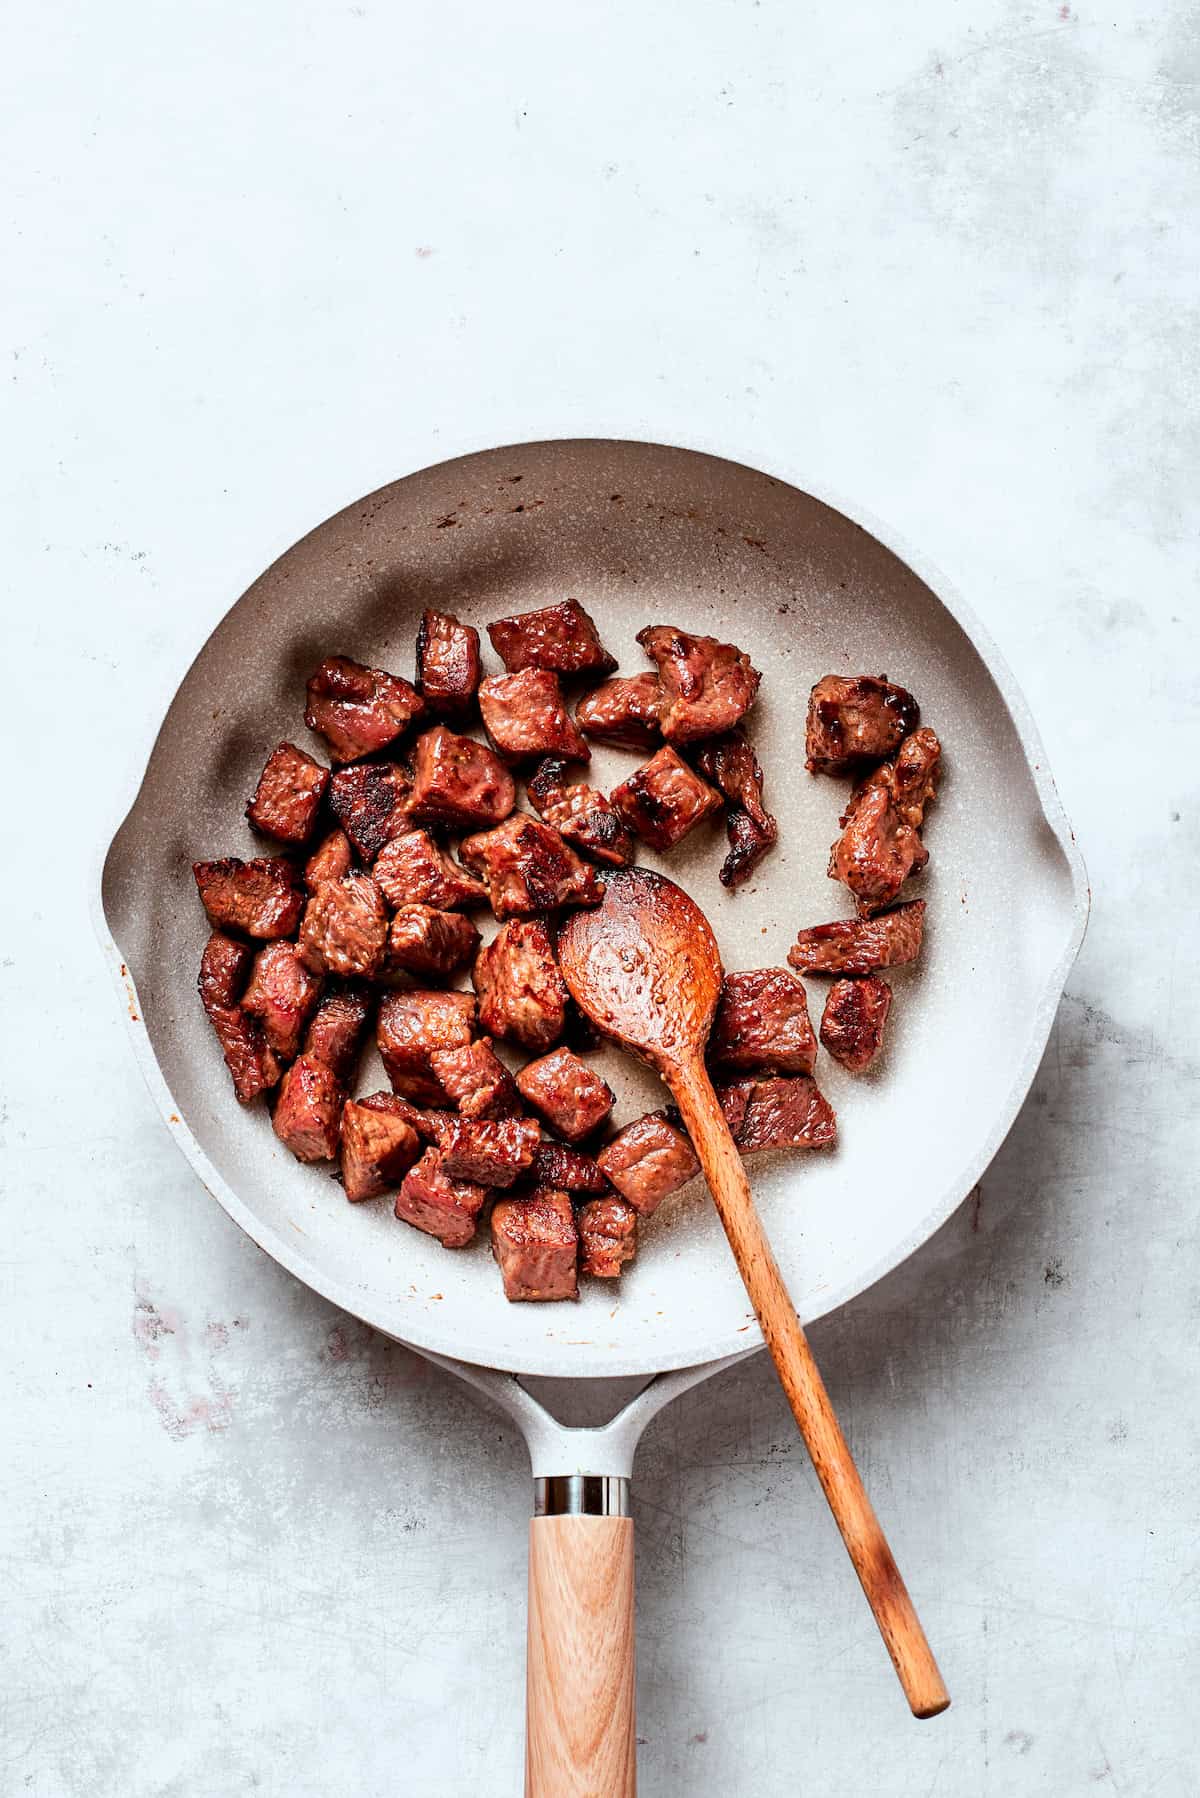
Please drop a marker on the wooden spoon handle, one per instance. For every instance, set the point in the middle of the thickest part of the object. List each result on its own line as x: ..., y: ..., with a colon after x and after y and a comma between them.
x: 886, y: 1594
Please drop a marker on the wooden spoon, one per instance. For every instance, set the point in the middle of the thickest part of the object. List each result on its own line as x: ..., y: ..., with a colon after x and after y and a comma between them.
x: 645, y: 968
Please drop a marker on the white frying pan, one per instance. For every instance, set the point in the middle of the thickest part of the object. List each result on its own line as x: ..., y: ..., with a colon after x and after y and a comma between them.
x: 639, y: 533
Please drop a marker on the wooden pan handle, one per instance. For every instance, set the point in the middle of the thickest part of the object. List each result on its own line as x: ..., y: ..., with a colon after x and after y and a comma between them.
x: 579, y: 1682
x: 886, y: 1593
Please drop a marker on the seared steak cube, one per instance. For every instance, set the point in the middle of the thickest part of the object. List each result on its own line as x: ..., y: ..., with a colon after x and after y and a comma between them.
x: 648, y: 1160
x: 664, y: 799
x: 345, y: 928
x: 358, y: 710
x: 476, y: 1080
x: 556, y: 1165
x: 777, y: 1113
x: 880, y: 844
x: 224, y: 970
x: 731, y: 764
x: 607, y: 1236
x: 762, y: 1022
x: 570, y: 1095
x: 414, y: 870
x: 288, y: 795
x: 447, y: 662
x: 522, y: 995
x: 528, y: 868
x: 339, y: 1024
x: 281, y: 995
x: 707, y: 686
x: 561, y: 637
x: 261, y: 898
x: 224, y: 967
x: 853, y: 1020
x: 855, y: 719
x: 370, y: 803
x: 330, y: 860
x: 378, y: 1146
x: 432, y: 1201
x: 411, y: 1026
x: 622, y: 711
x: 308, y: 1110
x: 459, y: 782
x: 525, y: 716
x: 860, y: 945
x: 536, y: 1245
x: 430, y: 1125
x: 428, y: 942
x: 584, y: 817
x: 493, y: 1151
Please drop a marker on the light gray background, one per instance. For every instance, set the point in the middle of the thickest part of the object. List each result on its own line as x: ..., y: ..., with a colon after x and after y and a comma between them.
x: 940, y: 258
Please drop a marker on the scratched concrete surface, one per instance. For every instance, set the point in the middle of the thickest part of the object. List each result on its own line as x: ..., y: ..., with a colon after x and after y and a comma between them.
x: 941, y: 257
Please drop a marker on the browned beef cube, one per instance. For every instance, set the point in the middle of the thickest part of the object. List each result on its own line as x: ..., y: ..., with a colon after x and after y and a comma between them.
x: 536, y: 1244
x: 731, y: 764
x: 528, y: 868
x: 331, y: 860
x: 648, y: 1160
x: 358, y: 710
x: 414, y: 870
x: 855, y: 719
x: 345, y: 928
x: 443, y: 1207
x: 584, y: 817
x: 570, y: 1095
x: 308, y: 1111
x: 607, y: 1236
x: 430, y: 1125
x: 622, y: 711
x: 411, y: 1026
x: 378, y: 1148
x: 493, y: 1151
x: 224, y: 968
x: 853, y: 1020
x: 860, y: 945
x: 556, y: 1165
x: 282, y: 995
x: 447, y: 662
x: 459, y: 782
x: 476, y: 1080
x: 288, y: 795
x: 522, y: 995
x: 880, y: 844
x: 339, y: 1024
x: 429, y: 942
x: 762, y: 1022
x: 261, y: 898
x: 777, y: 1113
x: 370, y: 802
x: 524, y: 716
x: 664, y: 799
x: 561, y: 637
x: 707, y: 687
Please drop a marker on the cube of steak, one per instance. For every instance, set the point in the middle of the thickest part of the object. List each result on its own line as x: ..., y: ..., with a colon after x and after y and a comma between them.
x: 358, y: 710
x: 425, y: 941
x: 664, y: 799
x: 493, y: 1151
x: 524, y: 716
x: 476, y: 1080
x: 731, y: 764
x: 854, y: 719
x: 261, y: 898
x: 411, y: 1026
x: 447, y: 662
x: 853, y: 1020
x: 332, y: 859
x: 432, y: 1201
x: 707, y: 686
x: 570, y: 1095
x: 522, y: 995
x: 370, y: 802
x: 528, y: 868
x: 777, y: 1113
x: 224, y: 967
x: 536, y: 1244
x: 880, y: 844
x: 648, y: 1160
x: 562, y: 637
x: 622, y: 711
x: 860, y: 945
x: 459, y: 782
x: 308, y: 1110
x: 345, y: 927
x: 224, y: 970
x: 584, y: 817
x: 607, y: 1236
x: 339, y: 1024
x: 288, y: 795
x: 570, y: 1169
x: 762, y: 1022
x: 414, y: 870
x: 378, y: 1148
x: 282, y: 995
x: 430, y: 1126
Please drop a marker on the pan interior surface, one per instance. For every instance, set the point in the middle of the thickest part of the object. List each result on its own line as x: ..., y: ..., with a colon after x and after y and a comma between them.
x: 639, y: 534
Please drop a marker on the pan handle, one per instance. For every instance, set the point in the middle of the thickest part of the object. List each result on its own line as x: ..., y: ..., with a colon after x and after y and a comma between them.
x: 579, y: 1682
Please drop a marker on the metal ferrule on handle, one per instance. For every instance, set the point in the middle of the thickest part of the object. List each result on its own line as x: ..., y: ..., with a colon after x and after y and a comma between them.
x: 581, y: 1495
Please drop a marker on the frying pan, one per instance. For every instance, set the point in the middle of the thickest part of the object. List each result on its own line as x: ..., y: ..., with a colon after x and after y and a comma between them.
x: 639, y: 532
